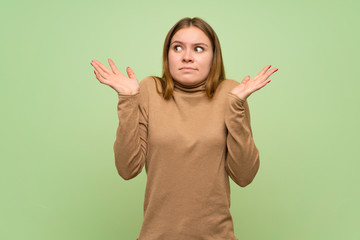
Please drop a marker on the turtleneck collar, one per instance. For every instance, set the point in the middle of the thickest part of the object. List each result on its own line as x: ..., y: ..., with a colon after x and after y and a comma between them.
x: 190, y: 88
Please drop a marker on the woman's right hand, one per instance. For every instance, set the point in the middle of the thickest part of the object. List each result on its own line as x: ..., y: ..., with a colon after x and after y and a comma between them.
x: 115, y: 79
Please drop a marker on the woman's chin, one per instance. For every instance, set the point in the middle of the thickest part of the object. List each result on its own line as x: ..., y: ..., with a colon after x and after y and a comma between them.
x: 189, y: 81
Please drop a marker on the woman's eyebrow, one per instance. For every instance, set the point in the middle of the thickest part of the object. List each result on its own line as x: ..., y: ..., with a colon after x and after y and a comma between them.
x: 193, y: 44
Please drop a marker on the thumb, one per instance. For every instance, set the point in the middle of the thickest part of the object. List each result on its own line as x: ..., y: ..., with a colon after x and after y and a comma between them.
x: 246, y: 79
x: 130, y: 73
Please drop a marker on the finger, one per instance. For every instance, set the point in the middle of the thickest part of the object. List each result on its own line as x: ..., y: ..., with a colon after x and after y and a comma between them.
x: 113, y: 67
x: 102, y: 67
x: 263, y: 84
x: 246, y: 79
x: 100, y: 78
x: 98, y: 69
x: 263, y: 71
x: 266, y: 82
x: 130, y: 73
x: 268, y: 74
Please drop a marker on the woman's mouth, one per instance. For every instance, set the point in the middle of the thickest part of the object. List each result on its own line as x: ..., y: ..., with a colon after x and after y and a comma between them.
x: 187, y: 69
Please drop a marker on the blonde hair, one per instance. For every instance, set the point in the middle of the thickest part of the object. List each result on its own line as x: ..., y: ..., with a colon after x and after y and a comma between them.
x: 217, y: 71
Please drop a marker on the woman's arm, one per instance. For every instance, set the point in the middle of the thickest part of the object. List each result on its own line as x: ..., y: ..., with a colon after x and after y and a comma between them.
x: 242, y: 160
x: 131, y: 136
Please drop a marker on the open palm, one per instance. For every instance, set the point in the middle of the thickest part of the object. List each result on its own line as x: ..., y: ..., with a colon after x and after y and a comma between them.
x: 247, y: 86
x: 115, y: 79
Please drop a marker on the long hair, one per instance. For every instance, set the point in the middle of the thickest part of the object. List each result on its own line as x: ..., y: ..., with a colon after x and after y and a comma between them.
x: 217, y: 71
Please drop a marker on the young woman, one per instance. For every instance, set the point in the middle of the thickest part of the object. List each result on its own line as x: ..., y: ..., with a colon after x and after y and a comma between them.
x: 191, y: 129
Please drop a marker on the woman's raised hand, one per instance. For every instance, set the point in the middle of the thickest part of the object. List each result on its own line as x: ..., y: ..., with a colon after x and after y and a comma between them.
x: 115, y: 79
x: 247, y: 86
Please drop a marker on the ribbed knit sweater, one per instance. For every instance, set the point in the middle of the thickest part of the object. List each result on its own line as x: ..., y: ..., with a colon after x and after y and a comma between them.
x: 190, y: 145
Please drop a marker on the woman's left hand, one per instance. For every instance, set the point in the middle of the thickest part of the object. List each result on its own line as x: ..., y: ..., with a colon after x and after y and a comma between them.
x: 247, y: 86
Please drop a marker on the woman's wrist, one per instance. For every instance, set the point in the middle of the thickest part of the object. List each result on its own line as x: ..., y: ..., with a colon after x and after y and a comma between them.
x: 131, y: 92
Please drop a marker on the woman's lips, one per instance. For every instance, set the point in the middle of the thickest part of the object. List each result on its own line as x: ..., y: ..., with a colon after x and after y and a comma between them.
x: 187, y: 69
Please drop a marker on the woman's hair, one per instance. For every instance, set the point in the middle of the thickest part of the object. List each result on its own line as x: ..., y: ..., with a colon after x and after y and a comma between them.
x: 217, y: 71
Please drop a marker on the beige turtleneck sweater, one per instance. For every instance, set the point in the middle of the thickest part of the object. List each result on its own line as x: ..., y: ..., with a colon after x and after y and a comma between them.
x: 190, y: 145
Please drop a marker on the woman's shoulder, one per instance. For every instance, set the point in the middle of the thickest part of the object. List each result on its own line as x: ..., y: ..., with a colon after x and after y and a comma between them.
x: 227, y: 85
x: 150, y: 82
x: 147, y: 82
x: 150, y: 86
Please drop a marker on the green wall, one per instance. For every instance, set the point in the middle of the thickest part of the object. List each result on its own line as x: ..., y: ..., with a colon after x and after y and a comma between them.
x: 57, y: 173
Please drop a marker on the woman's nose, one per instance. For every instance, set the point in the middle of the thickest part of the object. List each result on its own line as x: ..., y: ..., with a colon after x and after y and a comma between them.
x: 188, y: 57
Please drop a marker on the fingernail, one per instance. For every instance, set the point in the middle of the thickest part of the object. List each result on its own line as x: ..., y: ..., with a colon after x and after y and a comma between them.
x: 94, y: 72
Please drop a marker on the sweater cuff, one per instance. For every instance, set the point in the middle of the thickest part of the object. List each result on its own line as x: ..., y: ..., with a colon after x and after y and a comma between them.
x: 127, y: 95
x: 128, y: 100
x: 236, y: 101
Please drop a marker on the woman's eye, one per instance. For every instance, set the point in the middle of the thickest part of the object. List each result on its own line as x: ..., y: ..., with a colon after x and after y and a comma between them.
x: 177, y: 47
x: 197, y: 49
x: 201, y: 49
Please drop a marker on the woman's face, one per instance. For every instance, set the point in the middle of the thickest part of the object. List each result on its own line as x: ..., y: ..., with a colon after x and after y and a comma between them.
x: 190, y: 56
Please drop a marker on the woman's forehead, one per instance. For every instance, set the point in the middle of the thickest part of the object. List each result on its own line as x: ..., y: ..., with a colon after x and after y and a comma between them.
x: 191, y: 35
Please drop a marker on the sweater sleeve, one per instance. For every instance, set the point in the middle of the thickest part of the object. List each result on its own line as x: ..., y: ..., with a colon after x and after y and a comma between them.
x: 131, y: 136
x: 242, y: 159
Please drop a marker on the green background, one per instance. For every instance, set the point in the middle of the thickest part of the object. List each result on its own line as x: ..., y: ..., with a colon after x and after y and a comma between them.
x: 58, y: 123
